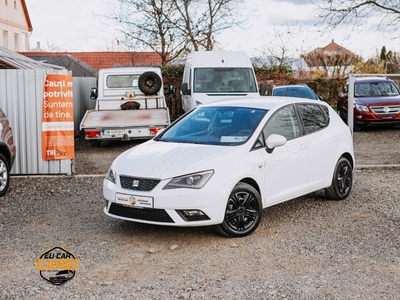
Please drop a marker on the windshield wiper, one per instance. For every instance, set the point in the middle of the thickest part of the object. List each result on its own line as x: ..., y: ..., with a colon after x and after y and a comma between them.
x: 162, y: 140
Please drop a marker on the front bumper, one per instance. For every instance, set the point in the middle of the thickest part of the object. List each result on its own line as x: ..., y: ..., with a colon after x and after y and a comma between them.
x: 174, y: 207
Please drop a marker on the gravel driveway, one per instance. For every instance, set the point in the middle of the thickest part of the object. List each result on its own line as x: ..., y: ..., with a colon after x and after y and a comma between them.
x: 308, y: 248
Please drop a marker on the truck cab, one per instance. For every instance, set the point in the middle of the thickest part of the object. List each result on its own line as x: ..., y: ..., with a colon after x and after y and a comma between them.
x: 215, y: 75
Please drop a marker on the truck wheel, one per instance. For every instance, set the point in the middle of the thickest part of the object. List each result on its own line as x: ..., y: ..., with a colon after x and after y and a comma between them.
x: 150, y: 83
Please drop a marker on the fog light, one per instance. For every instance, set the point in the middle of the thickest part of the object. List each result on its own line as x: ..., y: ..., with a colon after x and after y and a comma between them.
x: 192, y: 215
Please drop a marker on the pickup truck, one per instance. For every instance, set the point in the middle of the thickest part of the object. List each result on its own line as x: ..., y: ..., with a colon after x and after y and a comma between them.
x: 130, y: 104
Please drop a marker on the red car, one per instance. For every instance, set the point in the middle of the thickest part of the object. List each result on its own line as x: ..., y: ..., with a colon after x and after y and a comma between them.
x: 376, y: 100
x: 7, y: 153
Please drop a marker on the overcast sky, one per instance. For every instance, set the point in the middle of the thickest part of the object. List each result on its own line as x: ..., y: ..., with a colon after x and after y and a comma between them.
x: 72, y: 25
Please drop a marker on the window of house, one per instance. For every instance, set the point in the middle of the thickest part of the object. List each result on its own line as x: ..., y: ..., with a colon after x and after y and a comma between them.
x: 24, y: 42
x: 6, y: 2
x: 16, y: 42
x: 5, y: 39
x: 15, y: 4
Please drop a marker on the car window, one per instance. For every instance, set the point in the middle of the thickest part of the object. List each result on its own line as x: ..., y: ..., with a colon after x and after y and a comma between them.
x: 283, y: 122
x: 215, y: 125
x: 373, y: 89
x: 313, y: 117
x: 295, y: 91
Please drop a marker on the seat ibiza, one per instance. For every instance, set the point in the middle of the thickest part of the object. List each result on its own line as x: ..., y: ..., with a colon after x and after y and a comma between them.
x: 222, y: 163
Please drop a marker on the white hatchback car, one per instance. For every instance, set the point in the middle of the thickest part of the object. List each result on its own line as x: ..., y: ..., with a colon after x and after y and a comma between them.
x: 222, y: 163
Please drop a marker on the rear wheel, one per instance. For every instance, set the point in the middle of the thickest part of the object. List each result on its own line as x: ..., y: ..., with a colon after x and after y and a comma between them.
x: 4, y: 175
x: 342, y: 180
x: 243, y: 211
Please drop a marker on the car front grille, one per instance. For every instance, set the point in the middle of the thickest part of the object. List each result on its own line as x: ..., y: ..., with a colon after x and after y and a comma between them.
x: 138, y: 183
x: 155, y: 215
x: 385, y: 109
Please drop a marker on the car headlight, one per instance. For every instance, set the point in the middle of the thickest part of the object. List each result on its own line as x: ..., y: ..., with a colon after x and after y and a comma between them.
x: 362, y: 107
x: 111, y: 175
x: 190, y: 181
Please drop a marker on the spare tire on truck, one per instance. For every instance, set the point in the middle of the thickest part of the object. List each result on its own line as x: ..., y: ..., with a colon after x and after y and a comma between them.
x: 150, y: 83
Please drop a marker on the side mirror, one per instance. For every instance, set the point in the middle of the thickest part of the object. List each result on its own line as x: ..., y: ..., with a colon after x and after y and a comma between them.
x: 263, y: 88
x: 93, y: 93
x: 184, y: 89
x: 171, y: 91
x: 274, y: 140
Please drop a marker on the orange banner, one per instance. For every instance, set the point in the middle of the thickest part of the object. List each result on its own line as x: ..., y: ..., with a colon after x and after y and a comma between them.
x: 58, y: 118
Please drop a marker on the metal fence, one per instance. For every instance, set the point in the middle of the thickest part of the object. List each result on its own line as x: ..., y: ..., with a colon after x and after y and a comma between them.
x: 21, y: 96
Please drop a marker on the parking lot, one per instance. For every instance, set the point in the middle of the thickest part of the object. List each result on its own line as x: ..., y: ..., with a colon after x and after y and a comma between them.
x: 308, y: 248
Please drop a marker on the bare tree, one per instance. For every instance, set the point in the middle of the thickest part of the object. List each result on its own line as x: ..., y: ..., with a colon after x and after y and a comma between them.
x: 201, y: 20
x: 359, y: 12
x: 173, y: 27
x: 145, y: 25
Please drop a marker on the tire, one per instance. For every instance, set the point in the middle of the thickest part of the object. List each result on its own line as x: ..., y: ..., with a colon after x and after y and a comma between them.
x: 342, y: 180
x: 243, y: 212
x: 150, y: 83
x: 4, y: 175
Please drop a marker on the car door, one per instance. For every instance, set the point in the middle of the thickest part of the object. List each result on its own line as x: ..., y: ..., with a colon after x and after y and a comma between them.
x: 286, y: 168
x: 321, y: 142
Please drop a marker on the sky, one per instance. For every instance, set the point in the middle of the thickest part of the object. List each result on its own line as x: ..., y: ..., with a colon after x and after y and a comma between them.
x: 272, y: 25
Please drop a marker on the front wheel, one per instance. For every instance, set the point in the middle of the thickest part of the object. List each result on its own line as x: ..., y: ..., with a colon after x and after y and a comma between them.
x: 342, y: 180
x: 243, y: 211
x: 4, y: 175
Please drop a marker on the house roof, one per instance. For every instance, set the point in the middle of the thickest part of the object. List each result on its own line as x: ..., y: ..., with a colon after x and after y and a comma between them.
x: 12, y: 60
x: 332, y: 47
x: 26, y: 13
x: 107, y: 59
x: 78, y: 67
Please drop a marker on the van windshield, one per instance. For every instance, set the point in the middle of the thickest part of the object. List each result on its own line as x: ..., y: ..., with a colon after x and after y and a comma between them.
x: 224, y: 80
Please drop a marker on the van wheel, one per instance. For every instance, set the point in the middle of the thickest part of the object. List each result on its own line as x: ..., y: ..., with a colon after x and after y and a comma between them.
x: 243, y: 211
x: 4, y: 175
x: 150, y: 83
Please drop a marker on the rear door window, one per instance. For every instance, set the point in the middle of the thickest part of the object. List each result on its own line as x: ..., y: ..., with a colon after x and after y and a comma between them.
x: 313, y: 117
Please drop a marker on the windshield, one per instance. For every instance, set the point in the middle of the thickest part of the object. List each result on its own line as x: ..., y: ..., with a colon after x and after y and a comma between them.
x: 215, y: 126
x: 373, y: 89
x: 224, y: 80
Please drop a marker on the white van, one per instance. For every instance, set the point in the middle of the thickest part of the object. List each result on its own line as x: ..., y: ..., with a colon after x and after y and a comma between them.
x: 215, y: 75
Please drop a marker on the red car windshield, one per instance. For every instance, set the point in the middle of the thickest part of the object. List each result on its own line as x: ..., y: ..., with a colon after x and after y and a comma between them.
x: 375, y: 89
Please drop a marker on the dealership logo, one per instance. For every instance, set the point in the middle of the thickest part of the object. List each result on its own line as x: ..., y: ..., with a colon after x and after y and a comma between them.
x: 57, y: 265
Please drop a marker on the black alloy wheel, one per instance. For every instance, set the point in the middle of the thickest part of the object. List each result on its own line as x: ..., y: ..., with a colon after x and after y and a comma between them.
x: 243, y: 211
x: 342, y: 180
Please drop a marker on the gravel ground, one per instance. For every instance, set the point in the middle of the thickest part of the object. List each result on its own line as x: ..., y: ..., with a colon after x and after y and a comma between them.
x: 308, y: 248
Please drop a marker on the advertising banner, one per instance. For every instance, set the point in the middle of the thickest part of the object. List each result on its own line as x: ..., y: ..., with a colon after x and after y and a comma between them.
x: 58, y: 118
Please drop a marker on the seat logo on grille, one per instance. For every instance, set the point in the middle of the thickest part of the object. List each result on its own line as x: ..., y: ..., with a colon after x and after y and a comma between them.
x: 386, y: 109
x: 135, y: 183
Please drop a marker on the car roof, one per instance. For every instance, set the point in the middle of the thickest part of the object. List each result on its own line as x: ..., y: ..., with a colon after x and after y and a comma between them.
x: 261, y: 102
x: 371, y: 79
x: 291, y: 85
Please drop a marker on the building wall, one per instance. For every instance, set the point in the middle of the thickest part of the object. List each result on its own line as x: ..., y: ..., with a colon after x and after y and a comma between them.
x: 14, y: 29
